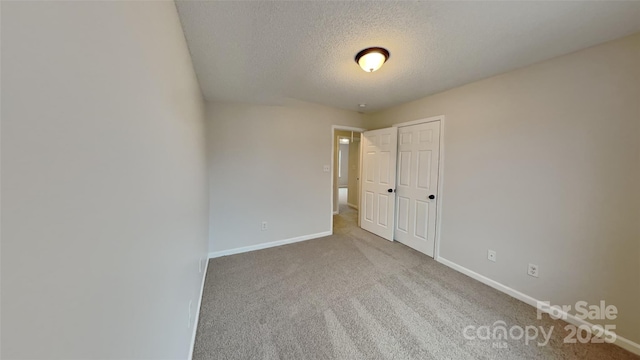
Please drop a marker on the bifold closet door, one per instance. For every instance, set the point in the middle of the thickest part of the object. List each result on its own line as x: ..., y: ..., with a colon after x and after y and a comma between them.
x: 379, y: 154
x: 417, y: 185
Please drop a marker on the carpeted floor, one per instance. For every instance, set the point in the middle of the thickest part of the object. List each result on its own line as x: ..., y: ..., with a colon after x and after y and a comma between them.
x: 354, y: 295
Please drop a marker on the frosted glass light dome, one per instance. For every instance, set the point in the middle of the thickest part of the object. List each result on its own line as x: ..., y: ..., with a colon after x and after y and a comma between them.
x: 371, y: 59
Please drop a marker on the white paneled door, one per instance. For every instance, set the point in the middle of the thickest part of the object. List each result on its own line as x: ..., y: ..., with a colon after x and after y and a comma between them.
x: 379, y: 152
x: 417, y: 185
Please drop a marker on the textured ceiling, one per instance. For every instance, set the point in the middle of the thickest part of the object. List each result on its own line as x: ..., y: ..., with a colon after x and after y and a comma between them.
x: 265, y: 52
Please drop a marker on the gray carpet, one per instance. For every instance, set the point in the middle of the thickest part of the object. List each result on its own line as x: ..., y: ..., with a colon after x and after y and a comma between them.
x: 353, y: 295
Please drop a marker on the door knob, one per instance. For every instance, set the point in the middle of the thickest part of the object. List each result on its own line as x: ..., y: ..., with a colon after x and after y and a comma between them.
x: 389, y: 190
x: 432, y: 197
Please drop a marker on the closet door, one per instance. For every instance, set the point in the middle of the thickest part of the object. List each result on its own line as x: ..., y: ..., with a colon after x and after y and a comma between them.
x: 417, y: 185
x: 377, y: 213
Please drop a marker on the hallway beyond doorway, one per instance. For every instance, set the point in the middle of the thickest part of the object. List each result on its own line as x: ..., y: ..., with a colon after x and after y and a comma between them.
x: 343, y: 195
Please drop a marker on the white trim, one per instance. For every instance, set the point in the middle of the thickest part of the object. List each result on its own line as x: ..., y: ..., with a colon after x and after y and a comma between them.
x: 440, y: 192
x: 333, y: 148
x: 419, y: 121
x: 627, y: 344
x: 347, y: 128
x: 436, y: 250
x: 485, y: 280
x: 244, y: 249
x: 353, y: 206
x: 360, y: 177
x: 572, y: 319
x: 195, y: 324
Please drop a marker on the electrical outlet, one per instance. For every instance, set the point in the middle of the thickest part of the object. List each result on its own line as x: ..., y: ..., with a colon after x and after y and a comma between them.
x: 533, y: 270
x: 326, y: 168
x: 189, y: 323
x: 264, y: 226
x: 491, y: 255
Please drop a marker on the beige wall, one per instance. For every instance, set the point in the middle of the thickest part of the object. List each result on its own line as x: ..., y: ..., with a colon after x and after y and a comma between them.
x: 252, y: 177
x: 104, y: 194
x: 542, y: 165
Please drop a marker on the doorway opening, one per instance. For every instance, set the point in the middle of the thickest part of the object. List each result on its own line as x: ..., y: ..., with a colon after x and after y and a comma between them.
x: 346, y: 158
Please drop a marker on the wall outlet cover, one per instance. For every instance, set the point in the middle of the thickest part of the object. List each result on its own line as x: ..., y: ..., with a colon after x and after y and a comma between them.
x: 492, y: 256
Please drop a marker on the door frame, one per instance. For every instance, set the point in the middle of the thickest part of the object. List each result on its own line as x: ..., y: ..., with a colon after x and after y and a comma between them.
x: 441, y: 118
x: 333, y: 150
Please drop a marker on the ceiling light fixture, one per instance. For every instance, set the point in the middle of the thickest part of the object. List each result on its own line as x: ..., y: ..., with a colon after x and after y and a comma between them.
x: 371, y: 59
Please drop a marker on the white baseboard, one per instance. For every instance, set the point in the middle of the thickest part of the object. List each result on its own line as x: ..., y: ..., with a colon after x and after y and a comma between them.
x: 627, y: 344
x: 195, y: 324
x: 572, y: 319
x: 244, y: 249
x: 353, y: 206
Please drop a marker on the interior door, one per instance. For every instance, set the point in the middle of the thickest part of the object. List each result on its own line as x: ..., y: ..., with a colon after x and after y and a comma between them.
x: 418, y: 166
x: 379, y: 153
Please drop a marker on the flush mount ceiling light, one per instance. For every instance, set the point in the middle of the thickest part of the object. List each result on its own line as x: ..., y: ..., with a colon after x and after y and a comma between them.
x: 371, y: 59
